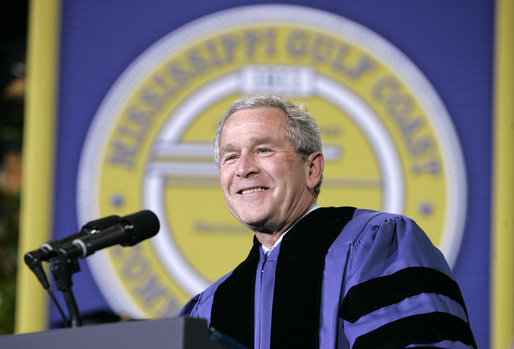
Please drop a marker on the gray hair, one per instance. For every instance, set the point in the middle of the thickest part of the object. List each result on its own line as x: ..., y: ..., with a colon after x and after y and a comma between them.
x: 302, y: 130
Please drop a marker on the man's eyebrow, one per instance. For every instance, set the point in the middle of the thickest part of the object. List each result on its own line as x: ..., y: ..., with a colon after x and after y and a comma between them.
x: 253, y: 142
x: 261, y: 140
x: 227, y: 148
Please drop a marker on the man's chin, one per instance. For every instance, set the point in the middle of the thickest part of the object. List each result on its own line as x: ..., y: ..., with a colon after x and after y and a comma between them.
x: 254, y: 223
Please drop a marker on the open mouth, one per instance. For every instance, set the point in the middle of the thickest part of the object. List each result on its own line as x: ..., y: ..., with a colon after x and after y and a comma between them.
x: 252, y: 190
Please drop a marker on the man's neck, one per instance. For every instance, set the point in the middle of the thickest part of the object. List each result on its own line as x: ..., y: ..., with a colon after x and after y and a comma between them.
x: 268, y: 240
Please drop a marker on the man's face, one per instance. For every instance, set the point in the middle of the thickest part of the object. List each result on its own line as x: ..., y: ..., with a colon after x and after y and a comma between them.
x: 265, y: 183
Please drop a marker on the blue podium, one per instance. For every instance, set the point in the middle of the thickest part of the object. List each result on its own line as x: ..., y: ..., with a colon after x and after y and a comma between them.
x: 173, y: 333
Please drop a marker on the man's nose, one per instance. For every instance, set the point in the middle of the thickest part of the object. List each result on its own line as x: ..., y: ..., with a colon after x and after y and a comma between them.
x: 246, y: 166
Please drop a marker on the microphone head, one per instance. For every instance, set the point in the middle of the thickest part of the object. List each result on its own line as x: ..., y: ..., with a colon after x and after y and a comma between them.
x: 141, y: 225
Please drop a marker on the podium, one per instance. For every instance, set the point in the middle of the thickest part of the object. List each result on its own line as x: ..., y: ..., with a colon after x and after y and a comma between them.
x: 173, y: 333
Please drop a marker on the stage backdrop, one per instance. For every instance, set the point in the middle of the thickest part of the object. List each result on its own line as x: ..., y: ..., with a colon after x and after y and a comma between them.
x: 402, y: 92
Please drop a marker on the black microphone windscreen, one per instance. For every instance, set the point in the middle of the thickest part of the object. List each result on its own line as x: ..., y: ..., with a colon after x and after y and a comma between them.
x: 145, y: 225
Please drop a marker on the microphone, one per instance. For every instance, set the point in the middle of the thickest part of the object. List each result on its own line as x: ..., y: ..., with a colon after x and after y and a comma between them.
x: 49, y: 249
x: 127, y: 231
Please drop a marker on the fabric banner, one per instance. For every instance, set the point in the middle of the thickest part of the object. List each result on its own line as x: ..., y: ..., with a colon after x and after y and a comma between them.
x: 403, y: 94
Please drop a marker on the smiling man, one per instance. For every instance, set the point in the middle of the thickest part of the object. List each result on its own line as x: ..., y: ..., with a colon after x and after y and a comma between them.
x: 319, y: 277
x: 267, y: 186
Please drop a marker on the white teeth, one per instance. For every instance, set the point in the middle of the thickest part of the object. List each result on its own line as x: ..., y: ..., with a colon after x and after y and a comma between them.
x: 252, y: 190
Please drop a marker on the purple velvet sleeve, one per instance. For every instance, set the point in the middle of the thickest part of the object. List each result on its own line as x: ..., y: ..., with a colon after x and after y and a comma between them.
x: 200, y: 305
x: 391, y: 252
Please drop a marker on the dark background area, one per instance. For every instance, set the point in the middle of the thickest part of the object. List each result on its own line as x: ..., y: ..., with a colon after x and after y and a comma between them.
x: 13, y: 40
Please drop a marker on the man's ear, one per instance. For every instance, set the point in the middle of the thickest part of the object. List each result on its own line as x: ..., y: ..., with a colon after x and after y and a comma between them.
x: 315, y: 165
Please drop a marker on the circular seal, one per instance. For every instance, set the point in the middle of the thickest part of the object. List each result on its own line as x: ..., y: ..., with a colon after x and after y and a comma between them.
x: 388, y: 141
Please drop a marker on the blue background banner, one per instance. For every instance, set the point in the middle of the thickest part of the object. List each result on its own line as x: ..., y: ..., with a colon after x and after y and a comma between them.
x: 450, y: 42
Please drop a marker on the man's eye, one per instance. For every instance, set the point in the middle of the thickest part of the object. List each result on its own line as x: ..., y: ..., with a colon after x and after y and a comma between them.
x: 263, y: 150
x: 230, y: 157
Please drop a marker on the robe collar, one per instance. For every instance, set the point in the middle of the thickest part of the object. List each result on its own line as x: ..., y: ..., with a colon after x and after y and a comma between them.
x: 298, y: 281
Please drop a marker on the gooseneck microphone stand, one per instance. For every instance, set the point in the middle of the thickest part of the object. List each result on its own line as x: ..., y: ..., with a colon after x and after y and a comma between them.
x: 63, y: 260
x: 62, y: 268
x: 101, y: 233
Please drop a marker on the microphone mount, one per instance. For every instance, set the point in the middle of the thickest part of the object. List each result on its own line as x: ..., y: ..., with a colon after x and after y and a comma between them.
x: 62, y: 269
